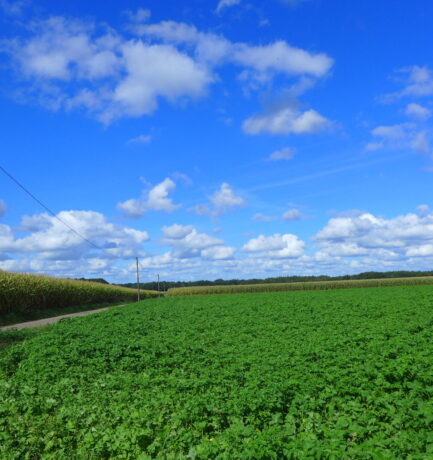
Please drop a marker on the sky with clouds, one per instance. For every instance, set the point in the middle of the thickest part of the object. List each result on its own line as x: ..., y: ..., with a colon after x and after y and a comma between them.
x: 216, y: 139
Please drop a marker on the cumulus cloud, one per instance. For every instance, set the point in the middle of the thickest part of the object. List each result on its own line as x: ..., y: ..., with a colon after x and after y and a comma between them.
x: 350, y: 242
x: 63, y: 49
x: 418, y: 82
x: 413, y: 135
x: 176, y: 231
x: 156, y: 199
x: 401, y: 136
x: 79, y: 65
x: 3, y: 208
x: 150, y: 75
x: 403, y: 236
x: 264, y: 60
x: 282, y: 58
x: 276, y: 246
x: 71, y: 64
x: 292, y: 214
x: 51, y: 239
x: 222, y: 201
x: 187, y: 242
x: 218, y: 253
x: 285, y: 121
x: 418, y: 111
x: 286, y: 153
x: 225, y: 199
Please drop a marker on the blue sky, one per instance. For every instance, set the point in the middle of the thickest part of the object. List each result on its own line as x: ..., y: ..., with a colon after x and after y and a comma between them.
x: 216, y: 139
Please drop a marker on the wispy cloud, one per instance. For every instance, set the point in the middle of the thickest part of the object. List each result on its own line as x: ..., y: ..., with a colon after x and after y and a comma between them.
x: 141, y: 139
x: 223, y: 4
x: 286, y: 153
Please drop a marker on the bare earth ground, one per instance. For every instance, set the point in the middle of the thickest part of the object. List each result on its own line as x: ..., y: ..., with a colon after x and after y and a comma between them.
x: 55, y: 319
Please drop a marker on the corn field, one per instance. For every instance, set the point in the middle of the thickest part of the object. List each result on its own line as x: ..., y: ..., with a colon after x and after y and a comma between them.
x: 20, y: 292
x: 312, y: 285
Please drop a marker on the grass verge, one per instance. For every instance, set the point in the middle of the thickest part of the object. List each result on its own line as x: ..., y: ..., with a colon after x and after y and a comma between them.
x: 13, y: 336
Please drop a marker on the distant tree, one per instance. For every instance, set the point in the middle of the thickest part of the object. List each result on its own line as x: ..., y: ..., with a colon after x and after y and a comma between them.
x: 94, y: 280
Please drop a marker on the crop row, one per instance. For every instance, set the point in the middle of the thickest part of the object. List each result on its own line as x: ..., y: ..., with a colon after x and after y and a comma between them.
x: 20, y: 292
x: 302, y: 286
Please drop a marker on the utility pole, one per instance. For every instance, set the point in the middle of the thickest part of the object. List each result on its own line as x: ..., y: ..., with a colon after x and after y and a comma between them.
x: 138, y: 281
x: 158, y: 285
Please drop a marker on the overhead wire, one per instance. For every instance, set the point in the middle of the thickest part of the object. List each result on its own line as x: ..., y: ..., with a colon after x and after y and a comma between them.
x: 17, y: 182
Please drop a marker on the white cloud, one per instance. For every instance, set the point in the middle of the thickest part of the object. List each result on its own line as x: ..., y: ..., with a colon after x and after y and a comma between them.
x: 366, y: 234
x: 183, y: 177
x: 420, y: 251
x: 138, y: 16
x: 150, y: 74
x: 75, y: 65
x: 282, y: 58
x: 158, y: 197
x: 222, y: 4
x: 225, y: 199
x: 172, y: 32
x: 218, y: 253
x: 263, y: 218
x: 420, y: 142
x: 417, y: 80
x: 423, y: 209
x: 63, y: 50
x: 3, y: 208
x: 264, y: 60
x: 401, y: 136
x: 276, y: 246
x: 287, y: 121
x: 418, y: 111
x: 70, y: 64
x: 222, y: 201
x: 51, y: 239
x: 187, y: 242
x: 292, y: 214
x: 392, y: 132
x: 286, y: 153
x: 155, y: 199
x: 177, y: 231
x: 202, y: 210
x: 141, y: 139
x: 414, y: 135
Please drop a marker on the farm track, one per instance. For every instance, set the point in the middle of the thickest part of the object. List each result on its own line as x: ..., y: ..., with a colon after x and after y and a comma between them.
x: 52, y: 320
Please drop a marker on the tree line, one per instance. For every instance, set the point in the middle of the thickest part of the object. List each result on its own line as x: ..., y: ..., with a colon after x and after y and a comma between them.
x: 165, y: 285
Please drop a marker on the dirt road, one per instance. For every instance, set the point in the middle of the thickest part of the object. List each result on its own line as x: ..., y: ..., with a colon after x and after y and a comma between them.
x: 55, y: 319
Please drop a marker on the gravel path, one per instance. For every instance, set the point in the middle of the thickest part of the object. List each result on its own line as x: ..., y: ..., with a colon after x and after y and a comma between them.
x: 55, y: 319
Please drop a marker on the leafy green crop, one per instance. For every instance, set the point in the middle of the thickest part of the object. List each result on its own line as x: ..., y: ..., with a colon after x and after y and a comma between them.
x: 343, y: 374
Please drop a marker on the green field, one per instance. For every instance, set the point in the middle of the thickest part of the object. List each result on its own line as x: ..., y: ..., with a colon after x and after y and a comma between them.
x: 343, y: 374
x: 300, y: 286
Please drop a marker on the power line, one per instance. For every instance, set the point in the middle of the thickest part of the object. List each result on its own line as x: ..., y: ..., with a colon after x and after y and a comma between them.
x: 46, y: 207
